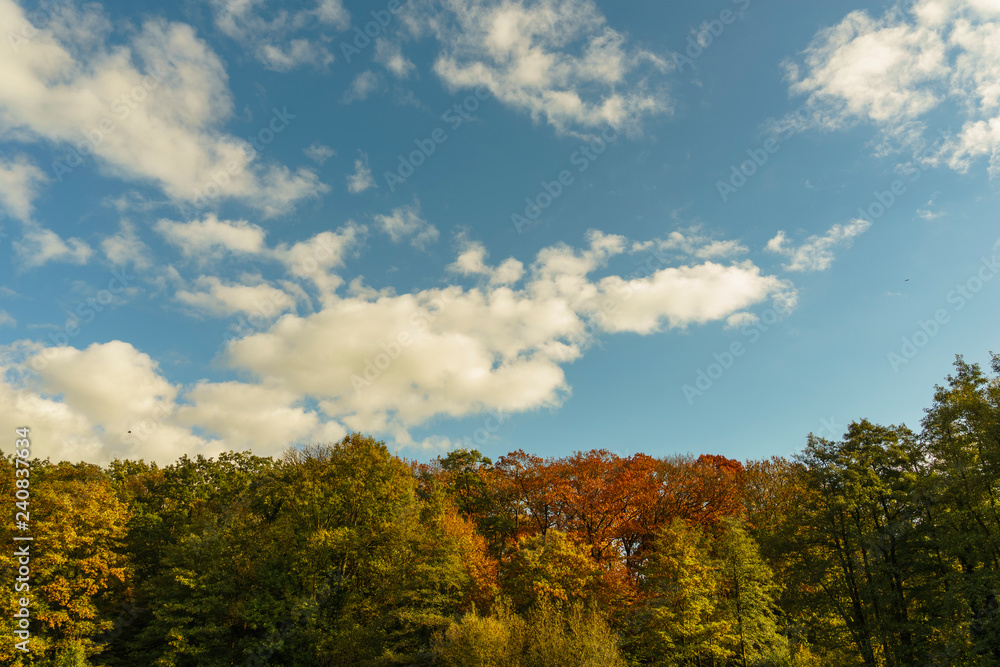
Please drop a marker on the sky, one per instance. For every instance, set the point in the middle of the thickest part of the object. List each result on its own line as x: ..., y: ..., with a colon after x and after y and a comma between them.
x: 548, y: 225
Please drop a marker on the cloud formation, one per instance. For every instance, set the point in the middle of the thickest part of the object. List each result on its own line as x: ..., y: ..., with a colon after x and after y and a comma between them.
x: 276, y: 38
x: 816, y: 253
x: 365, y: 359
x: 894, y: 70
x: 557, y: 60
x: 151, y: 110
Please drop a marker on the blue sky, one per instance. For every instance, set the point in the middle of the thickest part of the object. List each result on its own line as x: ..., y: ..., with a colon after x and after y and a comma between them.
x: 550, y: 225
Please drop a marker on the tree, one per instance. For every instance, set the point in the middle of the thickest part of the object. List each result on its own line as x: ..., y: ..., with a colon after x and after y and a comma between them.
x: 680, y: 621
x: 748, y: 596
x: 329, y: 559
x: 78, y: 575
x: 960, y: 507
x: 552, y: 566
x: 549, y: 634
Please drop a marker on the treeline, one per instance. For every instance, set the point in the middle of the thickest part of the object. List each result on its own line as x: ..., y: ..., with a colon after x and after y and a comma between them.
x: 881, y: 548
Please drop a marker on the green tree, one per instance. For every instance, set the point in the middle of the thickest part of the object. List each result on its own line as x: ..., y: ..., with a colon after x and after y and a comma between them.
x: 550, y: 634
x: 748, y: 597
x: 681, y: 620
x: 960, y: 509
x: 329, y: 559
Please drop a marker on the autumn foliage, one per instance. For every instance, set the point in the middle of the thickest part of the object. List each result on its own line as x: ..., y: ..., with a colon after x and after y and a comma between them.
x: 879, y: 549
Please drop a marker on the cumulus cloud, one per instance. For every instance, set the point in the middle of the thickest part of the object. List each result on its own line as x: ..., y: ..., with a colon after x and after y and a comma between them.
x: 212, y: 296
x: 211, y: 238
x: 691, y: 243
x: 557, y: 60
x: 150, y: 110
x: 405, y: 222
x: 361, y: 179
x: 261, y: 417
x: 816, y: 253
x: 367, y: 359
x: 275, y: 37
x: 84, y: 403
x: 893, y: 70
x: 403, y: 359
x: 472, y: 261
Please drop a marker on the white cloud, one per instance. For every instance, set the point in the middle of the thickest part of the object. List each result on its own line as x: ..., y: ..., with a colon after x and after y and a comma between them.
x: 404, y: 223
x: 212, y: 296
x: 390, y: 55
x: 371, y: 360
x: 6, y: 319
x: 401, y: 360
x: 558, y: 60
x: 82, y: 403
x: 361, y: 179
x: 20, y: 181
x: 38, y: 246
x: 272, y: 40
x: 150, y: 110
x: 472, y: 261
x: 126, y: 248
x: 737, y: 320
x: 691, y: 243
x: 816, y: 254
x: 110, y: 400
x: 893, y: 70
x: 315, y: 258
x: 363, y: 85
x: 685, y: 295
x: 261, y: 417
x: 319, y: 153
x: 211, y: 238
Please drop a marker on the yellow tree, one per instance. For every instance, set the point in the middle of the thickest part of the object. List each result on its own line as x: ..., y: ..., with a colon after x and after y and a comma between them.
x: 553, y: 566
x: 681, y: 622
x: 78, y: 577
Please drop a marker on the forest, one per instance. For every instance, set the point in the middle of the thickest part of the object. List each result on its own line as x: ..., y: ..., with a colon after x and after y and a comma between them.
x: 881, y: 548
